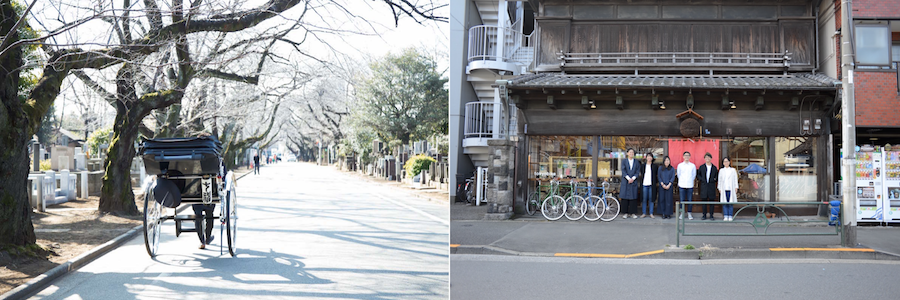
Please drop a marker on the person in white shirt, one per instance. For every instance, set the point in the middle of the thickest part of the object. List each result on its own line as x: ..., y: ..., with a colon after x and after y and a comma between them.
x: 649, y: 174
x: 728, y: 186
x: 687, y: 173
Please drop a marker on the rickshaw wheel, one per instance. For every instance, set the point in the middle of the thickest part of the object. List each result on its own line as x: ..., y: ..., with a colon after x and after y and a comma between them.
x: 152, y: 221
x: 231, y: 221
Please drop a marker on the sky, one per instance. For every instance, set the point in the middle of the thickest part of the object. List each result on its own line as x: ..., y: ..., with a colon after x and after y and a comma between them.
x: 430, y: 35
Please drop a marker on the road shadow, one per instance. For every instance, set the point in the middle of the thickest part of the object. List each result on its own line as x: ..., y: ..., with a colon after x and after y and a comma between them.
x: 260, y: 274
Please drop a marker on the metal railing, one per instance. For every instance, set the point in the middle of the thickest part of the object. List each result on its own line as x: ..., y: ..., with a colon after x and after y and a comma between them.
x: 656, y: 59
x: 479, y: 120
x: 484, y: 42
x: 759, y: 221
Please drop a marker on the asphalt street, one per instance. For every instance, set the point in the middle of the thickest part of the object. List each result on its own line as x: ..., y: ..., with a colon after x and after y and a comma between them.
x: 304, y: 231
x: 516, y: 277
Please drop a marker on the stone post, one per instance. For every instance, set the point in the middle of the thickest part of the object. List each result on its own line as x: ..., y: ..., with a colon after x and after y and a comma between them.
x: 36, y: 152
x: 84, y: 185
x: 499, y: 188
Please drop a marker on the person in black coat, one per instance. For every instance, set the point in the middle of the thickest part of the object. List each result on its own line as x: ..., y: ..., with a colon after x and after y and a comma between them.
x: 708, y: 176
x: 649, y: 179
x: 628, y: 192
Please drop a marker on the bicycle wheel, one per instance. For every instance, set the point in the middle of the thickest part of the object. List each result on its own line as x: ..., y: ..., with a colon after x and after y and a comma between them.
x: 574, y: 207
x: 231, y: 221
x: 593, y: 208
x: 153, y: 212
x: 612, y: 208
x: 532, y: 205
x: 553, y: 208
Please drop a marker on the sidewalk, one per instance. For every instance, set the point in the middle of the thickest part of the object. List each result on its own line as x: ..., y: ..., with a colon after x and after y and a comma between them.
x: 427, y: 193
x: 654, y: 238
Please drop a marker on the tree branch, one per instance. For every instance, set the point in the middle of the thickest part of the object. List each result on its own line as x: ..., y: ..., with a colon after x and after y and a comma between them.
x: 209, y: 73
x: 93, y: 85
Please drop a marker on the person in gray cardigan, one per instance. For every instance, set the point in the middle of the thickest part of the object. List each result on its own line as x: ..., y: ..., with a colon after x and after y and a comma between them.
x: 628, y: 191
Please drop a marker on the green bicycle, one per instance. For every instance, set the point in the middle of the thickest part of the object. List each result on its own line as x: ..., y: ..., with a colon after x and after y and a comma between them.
x: 533, y: 204
x: 554, y: 206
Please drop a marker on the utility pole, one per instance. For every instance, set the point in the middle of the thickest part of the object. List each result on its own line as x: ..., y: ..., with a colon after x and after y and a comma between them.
x: 848, y: 130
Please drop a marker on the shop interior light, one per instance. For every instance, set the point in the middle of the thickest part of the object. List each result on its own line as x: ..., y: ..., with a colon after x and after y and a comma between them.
x: 593, y: 106
x: 732, y: 105
x: 662, y: 105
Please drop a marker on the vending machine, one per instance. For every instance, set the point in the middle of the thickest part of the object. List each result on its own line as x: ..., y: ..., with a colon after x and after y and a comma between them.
x: 869, y: 187
x: 891, y: 176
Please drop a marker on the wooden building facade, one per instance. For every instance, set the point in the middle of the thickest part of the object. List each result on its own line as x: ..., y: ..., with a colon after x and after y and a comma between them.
x: 664, y: 75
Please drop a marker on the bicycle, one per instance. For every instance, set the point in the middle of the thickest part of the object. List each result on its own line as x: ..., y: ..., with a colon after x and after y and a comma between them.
x: 470, y: 190
x: 610, y: 204
x: 591, y: 207
x: 574, y: 203
x: 533, y: 204
x: 554, y: 206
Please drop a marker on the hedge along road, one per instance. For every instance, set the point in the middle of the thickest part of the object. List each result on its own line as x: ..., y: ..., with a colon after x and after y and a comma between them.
x: 304, y: 231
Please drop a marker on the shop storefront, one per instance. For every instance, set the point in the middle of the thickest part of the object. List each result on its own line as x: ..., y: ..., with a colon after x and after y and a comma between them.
x: 576, y: 129
x: 577, y: 157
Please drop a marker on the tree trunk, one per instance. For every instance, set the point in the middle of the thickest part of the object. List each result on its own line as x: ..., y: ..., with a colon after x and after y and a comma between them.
x: 15, y: 211
x: 116, y: 195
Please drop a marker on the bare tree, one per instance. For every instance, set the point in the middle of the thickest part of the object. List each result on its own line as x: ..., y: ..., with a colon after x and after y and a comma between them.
x: 149, y: 48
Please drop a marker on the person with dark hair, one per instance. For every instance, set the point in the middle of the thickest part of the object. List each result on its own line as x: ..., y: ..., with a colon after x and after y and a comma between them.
x: 708, y: 175
x: 728, y: 186
x: 205, y: 211
x: 649, y: 179
x: 256, y: 163
x: 687, y: 173
x: 666, y: 178
x: 631, y: 170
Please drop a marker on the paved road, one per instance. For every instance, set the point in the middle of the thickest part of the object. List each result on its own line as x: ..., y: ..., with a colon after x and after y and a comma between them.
x: 512, y: 277
x: 304, y: 232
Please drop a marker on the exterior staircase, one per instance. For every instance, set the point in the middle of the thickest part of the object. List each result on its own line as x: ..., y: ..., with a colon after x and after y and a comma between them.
x: 488, y: 10
x: 482, y: 74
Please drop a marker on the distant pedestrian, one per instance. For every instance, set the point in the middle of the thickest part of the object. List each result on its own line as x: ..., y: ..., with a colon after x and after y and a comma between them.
x: 666, y: 180
x: 708, y: 175
x: 256, y: 163
x: 631, y: 170
x: 649, y: 180
x: 728, y: 186
x: 687, y: 173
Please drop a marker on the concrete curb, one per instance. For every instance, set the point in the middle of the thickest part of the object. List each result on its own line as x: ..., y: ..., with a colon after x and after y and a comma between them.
x: 42, y: 281
x: 701, y: 253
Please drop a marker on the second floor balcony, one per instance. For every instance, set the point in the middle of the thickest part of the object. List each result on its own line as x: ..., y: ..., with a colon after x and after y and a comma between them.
x: 675, y: 61
x: 499, y: 48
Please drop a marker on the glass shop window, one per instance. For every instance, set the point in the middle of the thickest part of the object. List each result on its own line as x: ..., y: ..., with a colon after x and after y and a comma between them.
x: 796, y: 169
x: 749, y: 156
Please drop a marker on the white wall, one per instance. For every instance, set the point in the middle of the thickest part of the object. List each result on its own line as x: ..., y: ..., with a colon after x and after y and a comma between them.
x: 828, y: 42
x: 463, y: 14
